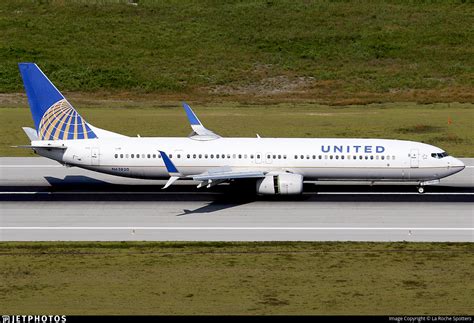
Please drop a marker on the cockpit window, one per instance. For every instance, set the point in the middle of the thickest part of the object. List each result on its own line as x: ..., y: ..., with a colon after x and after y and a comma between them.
x: 439, y: 155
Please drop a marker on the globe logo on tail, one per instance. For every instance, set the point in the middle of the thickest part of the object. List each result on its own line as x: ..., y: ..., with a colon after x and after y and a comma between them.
x: 62, y: 122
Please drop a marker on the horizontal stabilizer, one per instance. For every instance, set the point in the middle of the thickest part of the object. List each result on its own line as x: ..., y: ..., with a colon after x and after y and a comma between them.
x: 31, y: 133
x: 41, y: 146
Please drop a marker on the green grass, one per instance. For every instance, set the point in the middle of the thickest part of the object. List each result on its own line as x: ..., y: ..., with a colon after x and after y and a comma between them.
x: 330, y: 51
x: 236, y: 278
x: 425, y: 123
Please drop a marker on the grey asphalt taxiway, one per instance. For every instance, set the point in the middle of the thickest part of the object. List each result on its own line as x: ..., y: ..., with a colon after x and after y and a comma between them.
x: 40, y: 200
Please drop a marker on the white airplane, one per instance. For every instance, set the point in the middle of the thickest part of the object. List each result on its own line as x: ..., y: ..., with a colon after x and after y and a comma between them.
x: 278, y: 165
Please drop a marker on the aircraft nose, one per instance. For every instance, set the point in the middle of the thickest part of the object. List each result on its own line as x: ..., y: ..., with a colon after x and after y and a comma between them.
x: 457, y: 165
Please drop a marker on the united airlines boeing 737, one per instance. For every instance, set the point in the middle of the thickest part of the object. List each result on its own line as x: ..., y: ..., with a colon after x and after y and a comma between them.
x: 278, y: 165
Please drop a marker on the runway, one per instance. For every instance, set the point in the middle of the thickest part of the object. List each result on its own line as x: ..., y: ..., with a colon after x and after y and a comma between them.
x: 41, y: 200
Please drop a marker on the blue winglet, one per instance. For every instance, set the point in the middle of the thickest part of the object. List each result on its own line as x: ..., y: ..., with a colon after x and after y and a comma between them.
x: 193, y: 120
x: 170, y: 167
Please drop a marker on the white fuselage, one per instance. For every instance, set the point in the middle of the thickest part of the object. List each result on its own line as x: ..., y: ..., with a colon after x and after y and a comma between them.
x: 314, y: 159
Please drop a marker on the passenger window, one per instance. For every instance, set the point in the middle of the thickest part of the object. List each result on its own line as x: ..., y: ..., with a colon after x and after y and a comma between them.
x: 360, y: 157
x: 371, y: 157
x: 279, y: 156
x: 217, y: 156
x: 121, y: 155
x: 154, y: 155
x: 143, y: 155
x: 307, y: 156
x: 212, y: 156
x: 240, y: 156
x: 200, y: 156
x: 274, y: 156
x: 354, y: 157
x: 228, y: 156
x: 388, y: 157
x: 320, y: 157
x: 268, y: 156
x: 126, y: 155
x: 138, y: 155
x: 245, y: 156
x: 251, y: 156
x: 206, y: 155
x: 233, y: 156
x: 342, y: 157
x: 132, y: 155
x: 393, y: 157
x: 377, y: 157
x: 116, y: 155
x: 189, y: 156
x: 296, y: 156
x: 223, y: 156
x: 366, y: 157
x: 171, y: 155
x: 325, y: 156
x: 382, y: 157
x: 330, y: 157
x: 284, y: 156
x: 194, y: 156
x: 302, y: 157
x: 337, y: 157
x: 149, y: 156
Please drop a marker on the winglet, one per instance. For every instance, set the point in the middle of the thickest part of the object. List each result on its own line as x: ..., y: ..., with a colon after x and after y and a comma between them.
x: 196, y: 125
x: 193, y: 119
x: 171, y: 168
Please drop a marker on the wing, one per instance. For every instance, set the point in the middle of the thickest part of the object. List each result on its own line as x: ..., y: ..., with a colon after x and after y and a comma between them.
x: 199, y: 131
x: 210, y: 177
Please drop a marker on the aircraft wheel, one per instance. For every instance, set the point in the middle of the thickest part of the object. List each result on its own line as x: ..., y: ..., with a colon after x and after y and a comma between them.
x: 421, y: 189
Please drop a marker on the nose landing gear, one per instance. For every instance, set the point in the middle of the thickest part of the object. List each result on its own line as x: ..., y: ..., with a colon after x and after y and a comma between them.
x: 421, y: 185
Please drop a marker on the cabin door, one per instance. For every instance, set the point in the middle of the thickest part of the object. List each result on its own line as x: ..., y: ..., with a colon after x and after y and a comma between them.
x: 414, y: 161
x: 95, y: 156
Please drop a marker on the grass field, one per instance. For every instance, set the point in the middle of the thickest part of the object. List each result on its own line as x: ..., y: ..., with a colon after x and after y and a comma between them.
x: 427, y: 123
x: 236, y: 278
x: 339, y: 52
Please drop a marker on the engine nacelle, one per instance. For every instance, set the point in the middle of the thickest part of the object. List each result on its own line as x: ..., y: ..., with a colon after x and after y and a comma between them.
x: 283, y: 183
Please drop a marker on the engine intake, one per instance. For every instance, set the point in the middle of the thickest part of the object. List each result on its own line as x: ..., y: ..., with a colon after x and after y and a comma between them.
x: 283, y: 184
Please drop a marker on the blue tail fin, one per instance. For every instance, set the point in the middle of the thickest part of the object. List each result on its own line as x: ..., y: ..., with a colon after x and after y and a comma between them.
x: 54, y: 117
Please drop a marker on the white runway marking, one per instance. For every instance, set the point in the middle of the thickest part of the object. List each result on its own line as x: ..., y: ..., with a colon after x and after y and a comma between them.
x: 235, y: 228
x: 215, y: 193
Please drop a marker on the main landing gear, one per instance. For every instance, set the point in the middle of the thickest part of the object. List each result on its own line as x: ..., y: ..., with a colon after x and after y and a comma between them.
x: 421, y: 189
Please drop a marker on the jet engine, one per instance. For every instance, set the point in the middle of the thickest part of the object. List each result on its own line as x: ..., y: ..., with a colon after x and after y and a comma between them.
x: 281, y: 183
